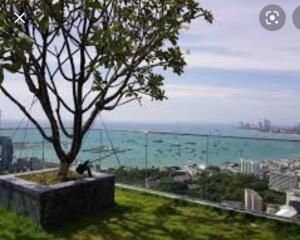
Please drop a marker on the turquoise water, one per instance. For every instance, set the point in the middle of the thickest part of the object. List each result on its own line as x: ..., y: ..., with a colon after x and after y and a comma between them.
x: 114, y: 148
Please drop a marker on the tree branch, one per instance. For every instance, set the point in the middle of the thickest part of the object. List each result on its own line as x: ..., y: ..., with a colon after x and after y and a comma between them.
x: 27, y: 114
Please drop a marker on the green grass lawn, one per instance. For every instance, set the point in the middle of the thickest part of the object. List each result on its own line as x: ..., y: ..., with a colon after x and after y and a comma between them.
x: 143, y: 216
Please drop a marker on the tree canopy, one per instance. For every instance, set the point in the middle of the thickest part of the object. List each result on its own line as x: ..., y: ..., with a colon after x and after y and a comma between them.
x: 106, y: 53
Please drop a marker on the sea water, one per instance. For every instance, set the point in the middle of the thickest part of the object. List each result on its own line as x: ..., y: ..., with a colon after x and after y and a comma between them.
x: 150, y: 145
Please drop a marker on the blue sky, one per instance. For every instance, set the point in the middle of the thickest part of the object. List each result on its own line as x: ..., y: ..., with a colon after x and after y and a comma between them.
x: 236, y: 71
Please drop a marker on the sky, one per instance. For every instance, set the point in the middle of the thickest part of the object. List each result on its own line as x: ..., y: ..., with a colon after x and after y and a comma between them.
x: 237, y: 71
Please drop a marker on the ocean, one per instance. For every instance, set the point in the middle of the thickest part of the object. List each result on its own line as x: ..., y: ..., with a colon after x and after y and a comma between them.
x: 157, y: 145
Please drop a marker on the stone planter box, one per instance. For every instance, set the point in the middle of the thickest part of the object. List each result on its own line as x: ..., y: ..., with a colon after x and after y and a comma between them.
x: 53, y: 204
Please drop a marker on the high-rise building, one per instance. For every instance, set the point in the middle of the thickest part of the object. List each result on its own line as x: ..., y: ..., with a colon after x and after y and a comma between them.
x: 253, y: 201
x: 250, y: 167
x: 267, y: 125
x: 6, y: 151
x: 283, y: 181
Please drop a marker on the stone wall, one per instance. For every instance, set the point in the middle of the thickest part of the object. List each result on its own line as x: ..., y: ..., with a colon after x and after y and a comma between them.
x: 51, y: 205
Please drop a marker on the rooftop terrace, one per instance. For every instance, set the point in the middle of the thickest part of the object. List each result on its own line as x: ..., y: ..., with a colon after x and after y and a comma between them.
x: 143, y: 216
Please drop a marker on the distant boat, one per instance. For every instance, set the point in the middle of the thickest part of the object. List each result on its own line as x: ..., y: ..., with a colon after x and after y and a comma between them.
x: 191, y: 143
x: 175, y: 145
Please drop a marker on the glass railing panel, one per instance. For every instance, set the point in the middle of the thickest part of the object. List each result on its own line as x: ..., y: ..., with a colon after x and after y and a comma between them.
x: 27, y: 148
x: 91, y: 146
x: 217, y: 169
x: 49, y: 156
x: 175, y: 162
x: 232, y: 149
x: 240, y: 168
x: 119, y: 152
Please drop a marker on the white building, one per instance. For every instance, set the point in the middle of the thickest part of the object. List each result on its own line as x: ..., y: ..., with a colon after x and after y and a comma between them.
x: 286, y: 212
x: 293, y: 199
x: 181, y: 176
x: 250, y: 167
x: 192, y: 169
x: 253, y: 201
x: 282, y: 182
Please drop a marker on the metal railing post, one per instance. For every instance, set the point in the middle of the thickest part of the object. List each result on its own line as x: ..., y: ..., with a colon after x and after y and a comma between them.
x: 43, y: 153
x: 146, y: 156
x: 101, y: 137
x: 206, y: 165
x: 101, y: 143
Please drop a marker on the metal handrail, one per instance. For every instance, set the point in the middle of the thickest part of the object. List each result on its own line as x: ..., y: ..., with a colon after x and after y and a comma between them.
x: 178, y: 134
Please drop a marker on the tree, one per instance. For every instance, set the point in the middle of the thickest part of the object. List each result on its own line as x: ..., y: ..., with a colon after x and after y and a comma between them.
x: 108, y: 52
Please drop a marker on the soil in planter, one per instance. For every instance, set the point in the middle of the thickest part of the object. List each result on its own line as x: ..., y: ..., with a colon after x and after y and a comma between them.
x: 50, y: 177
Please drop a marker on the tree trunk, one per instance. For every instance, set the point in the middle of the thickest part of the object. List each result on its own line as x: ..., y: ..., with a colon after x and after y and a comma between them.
x: 63, y: 170
x: 66, y: 160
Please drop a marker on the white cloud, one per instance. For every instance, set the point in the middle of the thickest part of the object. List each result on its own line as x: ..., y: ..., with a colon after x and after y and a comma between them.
x: 204, y: 103
x: 190, y: 103
x: 179, y: 91
x: 279, y: 62
x: 240, y: 39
